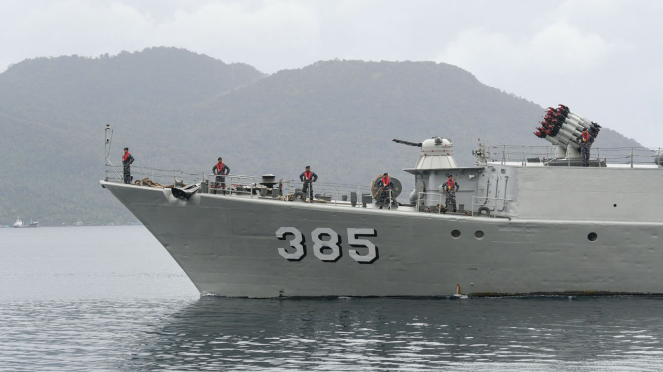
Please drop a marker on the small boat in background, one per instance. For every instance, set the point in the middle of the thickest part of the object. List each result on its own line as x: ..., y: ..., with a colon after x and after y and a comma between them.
x: 19, y: 223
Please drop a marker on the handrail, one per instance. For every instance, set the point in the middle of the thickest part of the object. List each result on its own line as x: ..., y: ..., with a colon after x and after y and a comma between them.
x: 611, y: 155
x: 250, y: 184
x: 237, y: 184
x: 165, y: 176
x: 442, y: 198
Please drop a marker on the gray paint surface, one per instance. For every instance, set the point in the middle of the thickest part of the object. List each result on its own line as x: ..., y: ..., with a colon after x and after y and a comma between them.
x: 228, y: 246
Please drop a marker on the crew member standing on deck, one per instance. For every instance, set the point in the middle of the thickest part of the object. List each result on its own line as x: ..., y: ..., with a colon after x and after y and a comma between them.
x: 308, y: 177
x: 127, y: 159
x: 220, y: 169
x: 585, y: 140
x: 384, y: 186
x: 450, y: 188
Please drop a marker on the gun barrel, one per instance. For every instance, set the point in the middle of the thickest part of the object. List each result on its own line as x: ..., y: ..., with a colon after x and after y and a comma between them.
x: 407, y: 143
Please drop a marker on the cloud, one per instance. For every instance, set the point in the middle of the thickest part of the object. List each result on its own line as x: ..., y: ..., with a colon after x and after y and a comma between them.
x: 278, y: 32
x: 278, y: 29
x: 601, y: 56
x: 556, y: 49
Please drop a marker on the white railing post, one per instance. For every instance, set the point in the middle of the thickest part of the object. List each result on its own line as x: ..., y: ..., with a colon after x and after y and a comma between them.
x: 337, y: 195
x: 524, y: 158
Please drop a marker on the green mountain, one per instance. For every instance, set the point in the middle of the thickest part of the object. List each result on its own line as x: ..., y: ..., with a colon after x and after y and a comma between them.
x: 179, y: 110
x: 52, y: 115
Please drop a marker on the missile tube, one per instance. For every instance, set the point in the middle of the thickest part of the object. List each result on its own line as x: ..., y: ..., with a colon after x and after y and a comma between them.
x: 563, y: 128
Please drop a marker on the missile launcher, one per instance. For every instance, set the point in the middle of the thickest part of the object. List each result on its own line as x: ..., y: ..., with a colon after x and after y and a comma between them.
x: 563, y: 128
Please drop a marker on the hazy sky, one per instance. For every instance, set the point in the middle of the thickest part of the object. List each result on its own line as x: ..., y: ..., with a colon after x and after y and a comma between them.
x: 602, y: 58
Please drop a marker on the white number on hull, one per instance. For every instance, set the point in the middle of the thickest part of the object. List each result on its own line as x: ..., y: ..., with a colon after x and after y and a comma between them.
x: 298, y: 242
x: 334, y: 243
x: 372, y: 254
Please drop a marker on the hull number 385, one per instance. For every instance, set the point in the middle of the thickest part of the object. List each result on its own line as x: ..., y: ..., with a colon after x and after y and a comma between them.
x: 329, y: 249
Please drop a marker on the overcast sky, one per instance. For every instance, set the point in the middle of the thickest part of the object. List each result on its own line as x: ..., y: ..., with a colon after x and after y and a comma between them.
x: 602, y: 58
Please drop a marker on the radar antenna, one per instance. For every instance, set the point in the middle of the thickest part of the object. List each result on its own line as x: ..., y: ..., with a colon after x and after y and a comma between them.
x: 407, y: 143
x: 481, y: 154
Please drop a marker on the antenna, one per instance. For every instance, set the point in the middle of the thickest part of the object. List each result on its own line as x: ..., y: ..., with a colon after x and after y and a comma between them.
x: 108, y: 136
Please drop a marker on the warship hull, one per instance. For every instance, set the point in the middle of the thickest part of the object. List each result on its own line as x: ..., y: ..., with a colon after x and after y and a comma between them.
x: 258, y: 247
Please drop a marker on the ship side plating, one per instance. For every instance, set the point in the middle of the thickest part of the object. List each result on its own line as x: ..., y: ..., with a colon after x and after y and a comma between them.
x: 229, y: 245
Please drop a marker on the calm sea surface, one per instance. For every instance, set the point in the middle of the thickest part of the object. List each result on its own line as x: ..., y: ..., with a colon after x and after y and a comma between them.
x: 111, y: 298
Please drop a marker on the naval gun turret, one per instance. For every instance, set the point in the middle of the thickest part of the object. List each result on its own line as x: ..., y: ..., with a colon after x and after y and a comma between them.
x: 436, y: 152
x: 435, y: 163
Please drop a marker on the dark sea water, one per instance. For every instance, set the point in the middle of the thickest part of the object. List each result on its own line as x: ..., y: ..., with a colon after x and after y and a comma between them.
x: 111, y: 298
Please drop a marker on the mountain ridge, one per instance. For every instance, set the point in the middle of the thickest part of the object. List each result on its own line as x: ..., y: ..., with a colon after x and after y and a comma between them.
x: 176, y: 109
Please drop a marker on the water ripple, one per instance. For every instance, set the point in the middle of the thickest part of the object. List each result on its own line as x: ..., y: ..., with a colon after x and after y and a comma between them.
x: 593, y: 334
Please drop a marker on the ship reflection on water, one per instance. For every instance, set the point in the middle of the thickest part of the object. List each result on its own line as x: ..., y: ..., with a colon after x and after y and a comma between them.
x: 557, y: 333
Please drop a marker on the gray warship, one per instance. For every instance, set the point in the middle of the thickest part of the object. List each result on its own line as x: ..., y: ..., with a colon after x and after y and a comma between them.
x: 525, y: 222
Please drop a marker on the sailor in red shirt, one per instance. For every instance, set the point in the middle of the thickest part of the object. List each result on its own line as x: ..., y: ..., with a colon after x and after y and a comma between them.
x: 220, y: 169
x: 585, y: 140
x: 308, y: 177
x: 385, y: 186
x: 127, y: 159
x: 450, y: 187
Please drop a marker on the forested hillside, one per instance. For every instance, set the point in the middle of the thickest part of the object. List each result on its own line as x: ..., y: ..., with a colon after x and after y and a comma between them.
x: 180, y: 110
x: 52, y: 115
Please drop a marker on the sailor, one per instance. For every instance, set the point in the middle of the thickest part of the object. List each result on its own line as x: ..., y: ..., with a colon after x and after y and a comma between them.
x: 384, y: 186
x: 308, y: 177
x: 450, y: 188
x: 585, y: 140
x: 220, y: 169
x: 127, y: 159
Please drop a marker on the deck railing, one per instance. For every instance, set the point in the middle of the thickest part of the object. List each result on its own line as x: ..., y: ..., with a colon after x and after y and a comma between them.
x: 165, y: 177
x: 609, y: 155
x: 427, y: 197
x: 252, y: 186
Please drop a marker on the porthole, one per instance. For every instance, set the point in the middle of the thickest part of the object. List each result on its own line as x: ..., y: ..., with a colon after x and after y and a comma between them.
x: 478, y: 234
x: 592, y: 236
x: 614, y: 205
x: 455, y: 234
